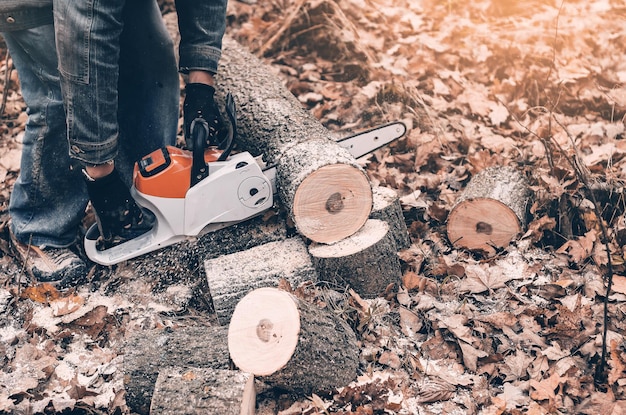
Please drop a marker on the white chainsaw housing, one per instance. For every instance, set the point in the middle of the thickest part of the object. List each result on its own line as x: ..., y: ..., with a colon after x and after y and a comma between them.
x: 235, y: 190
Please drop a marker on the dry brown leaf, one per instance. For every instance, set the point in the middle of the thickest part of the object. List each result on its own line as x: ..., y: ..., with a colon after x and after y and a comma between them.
x: 41, y: 293
x: 619, y: 284
x: 516, y: 366
x: 410, y: 323
x: 618, y: 366
x: 391, y: 359
x: 537, y: 227
x: 435, y: 389
x: 546, y: 389
x: 579, y: 249
x: 471, y: 355
x: 514, y: 396
x: 66, y: 305
x: 481, y: 278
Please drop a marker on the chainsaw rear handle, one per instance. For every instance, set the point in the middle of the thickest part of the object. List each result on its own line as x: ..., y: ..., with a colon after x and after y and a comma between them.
x: 199, y: 129
x: 199, y: 133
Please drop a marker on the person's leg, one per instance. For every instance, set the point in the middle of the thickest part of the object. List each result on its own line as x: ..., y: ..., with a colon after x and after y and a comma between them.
x: 88, y: 36
x: 48, y: 199
x: 149, y: 85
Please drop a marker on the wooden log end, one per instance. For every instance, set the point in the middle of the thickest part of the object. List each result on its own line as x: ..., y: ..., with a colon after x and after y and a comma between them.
x: 332, y: 203
x: 482, y: 224
x: 263, y: 331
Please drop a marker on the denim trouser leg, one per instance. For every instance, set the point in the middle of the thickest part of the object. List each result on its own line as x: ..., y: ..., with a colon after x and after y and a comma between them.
x: 149, y: 84
x: 103, y: 44
x: 48, y: 199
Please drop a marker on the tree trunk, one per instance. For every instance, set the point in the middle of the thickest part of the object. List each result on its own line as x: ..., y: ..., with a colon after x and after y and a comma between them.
x: 203, y: 391
x: 148, y: 352
x: 387, y: 208
x: 325, y: 190
x: 291, y: 344
x: 491, y: 211
x: 366, y: 262
x: 231, y: 277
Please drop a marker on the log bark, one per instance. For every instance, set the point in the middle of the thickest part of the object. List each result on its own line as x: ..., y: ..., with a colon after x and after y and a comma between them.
x: 291, y: 344
x: 231, y: 277
x: 387, y: 208
x: 366, y: 261
x: 148, y: 352
x: 199, y: 391
x: 491, y: 211
x: 324, y: 189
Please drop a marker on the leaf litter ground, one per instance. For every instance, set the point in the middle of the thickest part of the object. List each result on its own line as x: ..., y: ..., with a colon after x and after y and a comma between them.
x: 531, y: 84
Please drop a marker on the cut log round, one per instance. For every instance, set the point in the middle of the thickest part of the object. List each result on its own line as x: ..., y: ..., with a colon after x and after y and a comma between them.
x: 291, y: 344
x: 272, y: 122
x: 330, y: 204
x: 366, y: 261
x: 184, y: 390
x: 491, y: 211
x: 231, y: 277
x: 387, y: 208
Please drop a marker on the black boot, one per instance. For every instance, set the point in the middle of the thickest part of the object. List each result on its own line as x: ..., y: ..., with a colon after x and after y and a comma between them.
x: 119, y: 218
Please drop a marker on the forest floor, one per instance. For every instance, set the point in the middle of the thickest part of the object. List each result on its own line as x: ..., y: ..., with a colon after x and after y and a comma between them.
x: 537, y: 85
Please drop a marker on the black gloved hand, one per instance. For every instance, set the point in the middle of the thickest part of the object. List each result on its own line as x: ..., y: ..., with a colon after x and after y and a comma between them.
x: 199, y: 103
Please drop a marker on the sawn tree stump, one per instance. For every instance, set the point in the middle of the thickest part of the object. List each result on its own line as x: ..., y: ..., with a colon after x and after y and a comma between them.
x: 366, y: 261
x: 291, y: 344
x: 491, y: 211
x: 324, y: 189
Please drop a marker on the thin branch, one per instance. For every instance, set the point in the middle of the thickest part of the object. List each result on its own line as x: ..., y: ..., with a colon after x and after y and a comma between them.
x: 7, y: 79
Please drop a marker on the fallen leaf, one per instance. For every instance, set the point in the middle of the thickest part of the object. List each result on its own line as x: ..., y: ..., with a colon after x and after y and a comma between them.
x: 545, y: 389
x: 410, y: 323
x: 41, y: 293
x: 619, y: 284
x: 66, y: 305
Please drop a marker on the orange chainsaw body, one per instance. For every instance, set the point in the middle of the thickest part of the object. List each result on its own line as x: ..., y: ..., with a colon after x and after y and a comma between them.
x: 166, y: 172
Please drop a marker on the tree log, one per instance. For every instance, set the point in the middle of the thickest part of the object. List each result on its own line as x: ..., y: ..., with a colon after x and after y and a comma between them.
x: 198, y: 391
x: 291, y: 344
x: 366, y: 261
x: 491, y: 211
x: 231, y: 277
x: 324, y: 189
x: 387, y: 208
x: 148, y: 352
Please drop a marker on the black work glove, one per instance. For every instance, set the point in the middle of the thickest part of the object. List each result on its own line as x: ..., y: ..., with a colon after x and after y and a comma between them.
x: 200, y: 103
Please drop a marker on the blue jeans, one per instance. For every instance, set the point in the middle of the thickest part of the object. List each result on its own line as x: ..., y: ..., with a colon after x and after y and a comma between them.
x: 115, y: 59
x: 49, y: 198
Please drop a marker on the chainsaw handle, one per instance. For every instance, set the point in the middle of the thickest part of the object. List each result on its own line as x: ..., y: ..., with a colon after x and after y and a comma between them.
x: 231, y: 112
x: 199, y: 133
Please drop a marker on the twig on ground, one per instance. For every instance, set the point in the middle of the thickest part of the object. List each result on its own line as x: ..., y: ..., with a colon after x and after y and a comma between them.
x: 7, y: 79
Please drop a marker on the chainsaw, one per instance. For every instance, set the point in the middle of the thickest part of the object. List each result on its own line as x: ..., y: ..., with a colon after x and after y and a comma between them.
x: 193, y: 192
